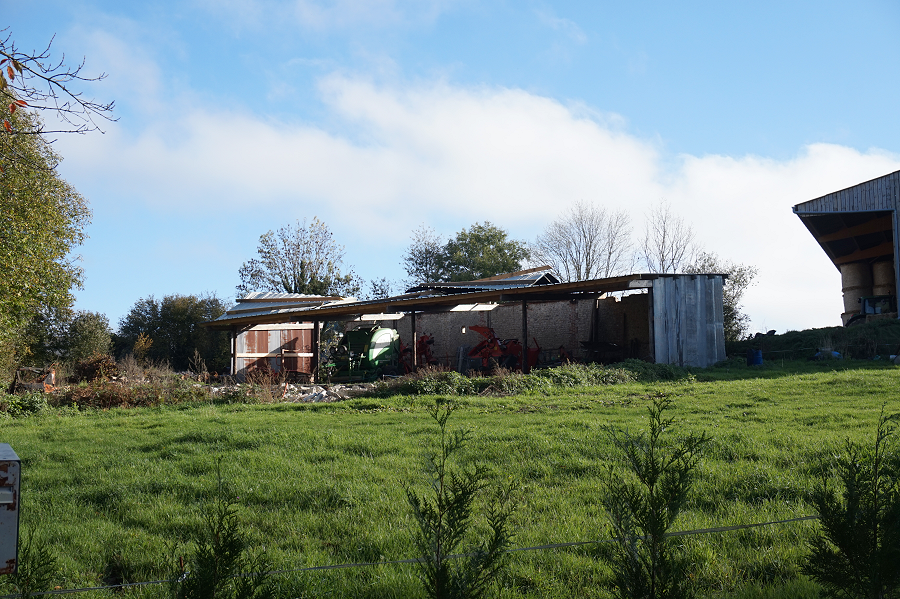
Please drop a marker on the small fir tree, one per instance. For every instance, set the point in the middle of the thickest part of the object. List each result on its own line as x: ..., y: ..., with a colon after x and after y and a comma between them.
x: 445, y: 520
x: 644, y: 503
x: 857, y: 551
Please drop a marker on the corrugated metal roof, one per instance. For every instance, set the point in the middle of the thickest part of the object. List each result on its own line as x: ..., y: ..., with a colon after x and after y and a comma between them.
x: 516, y: 280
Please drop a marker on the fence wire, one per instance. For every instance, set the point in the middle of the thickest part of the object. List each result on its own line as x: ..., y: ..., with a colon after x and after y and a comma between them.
x: 680, y: 533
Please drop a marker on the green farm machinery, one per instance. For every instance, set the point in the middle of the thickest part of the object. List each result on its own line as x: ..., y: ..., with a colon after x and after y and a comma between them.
x: 365, y: 354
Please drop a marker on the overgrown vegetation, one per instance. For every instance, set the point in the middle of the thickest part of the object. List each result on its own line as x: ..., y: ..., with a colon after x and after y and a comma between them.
x: 863, y: 341
x: 437, y: 381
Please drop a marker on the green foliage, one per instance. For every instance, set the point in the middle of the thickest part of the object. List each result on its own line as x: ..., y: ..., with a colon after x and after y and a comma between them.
x: 740, y: 278
x: 37, y: 569
x: 87, y: 334
x: 481, y: 251
x: 42, y: 219
x: 586, y: 375
x: 172, y: 326
x: 220, y: 566
x: 857, y: 552
x: 862, y: 341
x: 445, y: 521
x: 298, y: 259
x: 643, y: 505
x: 24, y: 404
x: 427, y: 381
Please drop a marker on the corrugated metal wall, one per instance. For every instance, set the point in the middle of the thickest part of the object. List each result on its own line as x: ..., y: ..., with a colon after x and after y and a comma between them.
x: 274, y: 347
x: 687, y: 320
x: 882, y: 193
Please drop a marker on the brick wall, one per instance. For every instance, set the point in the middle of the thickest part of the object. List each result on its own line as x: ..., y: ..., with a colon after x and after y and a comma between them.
x: 551, y: 323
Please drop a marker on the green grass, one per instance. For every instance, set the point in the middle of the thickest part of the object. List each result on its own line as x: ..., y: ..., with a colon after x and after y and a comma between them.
x: 114, y: 492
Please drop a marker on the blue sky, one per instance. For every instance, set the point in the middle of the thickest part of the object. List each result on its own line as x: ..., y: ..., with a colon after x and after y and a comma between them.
x: 237, y: 117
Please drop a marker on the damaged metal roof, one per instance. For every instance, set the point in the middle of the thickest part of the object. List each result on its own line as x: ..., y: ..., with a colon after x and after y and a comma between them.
x: 542, y: 275
x: 438, y: 297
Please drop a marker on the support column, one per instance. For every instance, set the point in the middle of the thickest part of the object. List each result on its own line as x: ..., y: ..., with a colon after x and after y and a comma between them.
x: 314, y: 363
x: 415, y: 356
x: 233, y: 351
x: 525, y: 367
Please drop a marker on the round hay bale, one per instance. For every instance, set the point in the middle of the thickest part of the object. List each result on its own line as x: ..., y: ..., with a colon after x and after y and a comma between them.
x: 856, y: 274
x: 883, y: 280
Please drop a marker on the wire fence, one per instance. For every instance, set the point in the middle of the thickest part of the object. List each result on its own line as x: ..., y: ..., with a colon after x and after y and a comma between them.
x: 680, y: 533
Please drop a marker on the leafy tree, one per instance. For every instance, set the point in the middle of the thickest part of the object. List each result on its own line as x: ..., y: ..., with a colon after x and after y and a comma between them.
x: 42, y: 219
x: 424, y: 257
x: 482, y: 251
x: 298, y: 259
x: 643, y: 503
x: 668, y: 242
x: 88, y: 333
x: 857, y: 551
x: 587, y: 242
x: 172, y: 326
x: 740, y: 278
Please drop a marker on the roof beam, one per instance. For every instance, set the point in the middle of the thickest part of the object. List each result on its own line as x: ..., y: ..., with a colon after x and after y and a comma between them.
x: 876, y: 225
x: 884, y: 249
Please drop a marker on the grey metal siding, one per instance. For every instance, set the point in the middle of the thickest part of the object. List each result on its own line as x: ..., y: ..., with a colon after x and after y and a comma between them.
x: 877, y: 194
x: 688, y: 324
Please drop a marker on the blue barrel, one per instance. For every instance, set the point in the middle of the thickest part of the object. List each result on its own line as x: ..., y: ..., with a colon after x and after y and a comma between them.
x: 754, y: 357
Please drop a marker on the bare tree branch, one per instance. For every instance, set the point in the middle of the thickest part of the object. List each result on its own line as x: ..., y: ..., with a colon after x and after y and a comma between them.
x: 587, y: 242
x: 42, y: 84
x: 668, y: 242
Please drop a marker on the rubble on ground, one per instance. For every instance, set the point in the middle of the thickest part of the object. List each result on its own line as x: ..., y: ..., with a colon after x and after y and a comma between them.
x: 296, y: 393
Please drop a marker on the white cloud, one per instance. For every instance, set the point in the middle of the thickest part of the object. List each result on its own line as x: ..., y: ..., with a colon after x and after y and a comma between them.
x: 432, y: 152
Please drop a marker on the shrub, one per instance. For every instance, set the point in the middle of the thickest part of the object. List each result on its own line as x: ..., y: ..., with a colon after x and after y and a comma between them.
x: 220, y: 566
x: 643, y: 504
x: 857, y: 552
x: 96, y: 367
x: 36, y: 572
x: 445, y: 519
x: 23, y: 405
x: 434, y: 381
x: 427, y: 381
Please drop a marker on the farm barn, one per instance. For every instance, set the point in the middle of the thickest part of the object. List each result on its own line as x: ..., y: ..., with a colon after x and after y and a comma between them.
x: 670, y: 319
x: 857, y: 228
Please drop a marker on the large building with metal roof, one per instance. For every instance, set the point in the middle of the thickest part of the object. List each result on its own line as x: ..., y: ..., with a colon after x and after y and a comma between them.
x: 679, y: 321
x: 857, y: 227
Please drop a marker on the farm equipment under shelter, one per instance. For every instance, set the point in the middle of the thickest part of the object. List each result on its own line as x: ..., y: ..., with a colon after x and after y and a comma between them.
x: 424, y: 357
x: 872, y: 305
x: 504, y: 353
x: 366, y: 354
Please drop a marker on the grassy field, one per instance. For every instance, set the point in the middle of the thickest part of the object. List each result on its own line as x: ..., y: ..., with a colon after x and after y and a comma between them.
x: 116, y: 493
